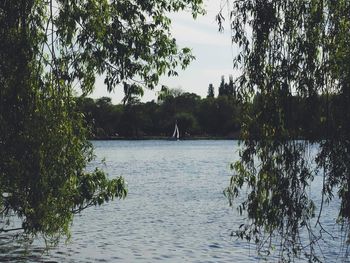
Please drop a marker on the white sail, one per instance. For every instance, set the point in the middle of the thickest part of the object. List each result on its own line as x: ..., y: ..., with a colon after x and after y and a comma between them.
x: 176, y: 133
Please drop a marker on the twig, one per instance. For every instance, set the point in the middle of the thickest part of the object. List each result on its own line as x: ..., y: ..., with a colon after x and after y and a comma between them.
x: 2, y: 230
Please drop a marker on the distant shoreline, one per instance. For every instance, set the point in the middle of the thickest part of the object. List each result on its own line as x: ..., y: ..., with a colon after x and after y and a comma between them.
x: 188, y: 138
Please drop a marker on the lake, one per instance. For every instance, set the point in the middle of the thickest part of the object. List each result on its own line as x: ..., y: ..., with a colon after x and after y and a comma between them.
x: 175, y: 210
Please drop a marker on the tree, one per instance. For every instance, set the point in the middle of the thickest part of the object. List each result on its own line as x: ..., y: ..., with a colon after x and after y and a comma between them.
x: 168, y: 93
x: 227, y: 89
x: 207, y: 117
x: 211, y: 91
x: 187, y: 102
x: 296, y: 47
x: 106, y: 117
x: 231, y: 90
x: 227, y: 116
x: 47, y: 48
x: 222, y: 87
x: 187, y: 123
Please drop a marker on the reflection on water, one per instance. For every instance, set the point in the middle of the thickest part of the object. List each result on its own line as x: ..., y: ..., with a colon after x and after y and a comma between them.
x: 14, y: 249
x: 175, y: 210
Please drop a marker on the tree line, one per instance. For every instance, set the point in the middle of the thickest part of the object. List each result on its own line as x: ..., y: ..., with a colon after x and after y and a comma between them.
x: 209, y: 117
x: 214, y: 116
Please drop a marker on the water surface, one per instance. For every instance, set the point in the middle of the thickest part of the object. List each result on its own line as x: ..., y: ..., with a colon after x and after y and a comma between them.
x: 175, y: 210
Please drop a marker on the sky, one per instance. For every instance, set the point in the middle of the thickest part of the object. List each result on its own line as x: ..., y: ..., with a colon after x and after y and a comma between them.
x: 212, y: 49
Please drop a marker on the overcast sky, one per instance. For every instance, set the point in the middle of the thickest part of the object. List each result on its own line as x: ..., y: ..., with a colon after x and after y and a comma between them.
x: 212, y: 49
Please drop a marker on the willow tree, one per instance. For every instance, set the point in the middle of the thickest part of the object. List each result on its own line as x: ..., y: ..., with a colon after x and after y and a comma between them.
x: 287, y: 49
x: 47, y: 48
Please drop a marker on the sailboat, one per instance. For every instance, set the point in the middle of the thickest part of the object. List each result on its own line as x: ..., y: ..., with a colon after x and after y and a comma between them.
x: 176, y: 134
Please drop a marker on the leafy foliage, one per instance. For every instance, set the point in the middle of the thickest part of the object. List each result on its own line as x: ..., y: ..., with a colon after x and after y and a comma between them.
x: 47, y: 48
x: 290, y: 48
